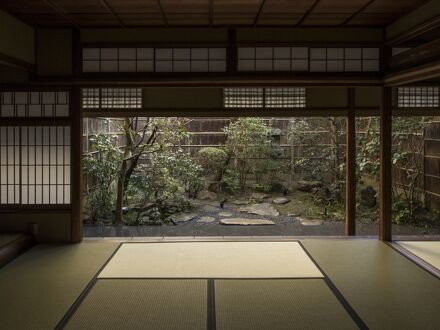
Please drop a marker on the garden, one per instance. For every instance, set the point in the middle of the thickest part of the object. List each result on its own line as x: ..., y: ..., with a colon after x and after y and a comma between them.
x: 148, y: 171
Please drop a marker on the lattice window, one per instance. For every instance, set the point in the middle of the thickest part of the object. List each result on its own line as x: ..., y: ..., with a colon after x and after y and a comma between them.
x: 34, y: 104
x: 418, y: 97
x: 35, y: 165
x: 285, y: 97
x: 112, y: 98
x: 273, y: 59
x: 154, y: 59
x: 344, y: 59
x: 243, y: 97
x: 9, y: 165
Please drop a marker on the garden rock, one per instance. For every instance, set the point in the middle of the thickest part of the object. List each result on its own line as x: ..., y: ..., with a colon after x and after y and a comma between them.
x: 310, y: 222
x: 183, y: 217
x: 280, y: 200
x: 240, y: 202
x: 206, y: 220
x: 209, y: 208
x: 206, y: 195
x: 245, y: 222
x: 259, y: 197
x: 308, y: 186
x: 225, y: 214
x: 368, y: 196
x: 264, y: 209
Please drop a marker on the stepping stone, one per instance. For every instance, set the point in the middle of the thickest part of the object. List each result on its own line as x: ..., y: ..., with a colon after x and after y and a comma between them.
x: 280, y: 200
x: 259, y: 196
x: 264, y: 209
x: 225, y: 214
x: 309, y: 222
x: 240, y: 202
x: 245, y: 222
x: 210, y: 208
x: 183, y: 217
x: 206, y: 220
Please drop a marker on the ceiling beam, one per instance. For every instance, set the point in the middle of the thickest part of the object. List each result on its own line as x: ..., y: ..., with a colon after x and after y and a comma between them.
x: 357, y: 12
x: 416, y: 74
x: 111, y: 11
x: 61, y: 12
x: 260, y: 10
x: 162, y: 12
x: 416, y: 31
x: 307, y: 13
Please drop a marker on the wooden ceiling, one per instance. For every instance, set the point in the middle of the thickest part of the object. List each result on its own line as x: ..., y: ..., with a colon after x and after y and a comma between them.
x: 288, y: 13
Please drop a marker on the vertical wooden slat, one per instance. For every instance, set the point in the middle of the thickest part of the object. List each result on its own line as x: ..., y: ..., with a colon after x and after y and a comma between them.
x: 350, y: 173
x: 385, y: 166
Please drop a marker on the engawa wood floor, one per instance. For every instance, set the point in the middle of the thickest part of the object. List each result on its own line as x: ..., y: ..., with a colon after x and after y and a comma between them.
x: 362, y: 284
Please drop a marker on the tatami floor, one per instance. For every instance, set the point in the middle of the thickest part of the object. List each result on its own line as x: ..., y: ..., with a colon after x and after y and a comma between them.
x: 243, y: 283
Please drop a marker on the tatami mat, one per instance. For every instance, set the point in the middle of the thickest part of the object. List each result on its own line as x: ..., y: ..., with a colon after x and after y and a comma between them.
x: 5, y: 239
x: 211, y: 260
x: 143, y: 304
x: 427, y: 251
x: 38, y: 288
x: 278, y: 304
x: 387, y: 290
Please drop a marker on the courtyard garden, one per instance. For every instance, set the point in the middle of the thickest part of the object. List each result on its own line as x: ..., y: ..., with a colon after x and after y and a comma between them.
x: 215, y: 172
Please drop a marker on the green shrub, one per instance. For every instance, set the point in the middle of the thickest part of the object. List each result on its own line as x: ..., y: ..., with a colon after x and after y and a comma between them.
x: 231, y: 181
x: 212, y: 160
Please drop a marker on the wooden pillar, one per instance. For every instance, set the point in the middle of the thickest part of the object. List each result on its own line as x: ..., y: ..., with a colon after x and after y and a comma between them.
x: 385, y: 165
x: 232, y: 52
x: 76, y: 144
x: 350, y: 173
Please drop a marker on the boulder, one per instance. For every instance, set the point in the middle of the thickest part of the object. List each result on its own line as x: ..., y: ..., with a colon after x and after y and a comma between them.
x: 206, y: 195
x: 259, y: 197
x: 245, y: 222
x: 280, y: 200
x: 240, y: 202
x: 308, y: 186
x: 264, y: 209
x: 368, y: 196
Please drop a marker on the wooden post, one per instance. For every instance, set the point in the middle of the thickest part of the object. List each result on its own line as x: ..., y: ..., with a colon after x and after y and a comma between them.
x: 385, y: 165
x: 232, y: 52
x: 350, y: 173
x: 76, y: 130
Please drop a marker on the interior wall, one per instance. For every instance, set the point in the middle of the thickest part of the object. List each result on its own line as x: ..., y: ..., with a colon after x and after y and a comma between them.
x: 13, y: 75
x: 54, y: 52
x: 17, y: 39
x: 52, y: 226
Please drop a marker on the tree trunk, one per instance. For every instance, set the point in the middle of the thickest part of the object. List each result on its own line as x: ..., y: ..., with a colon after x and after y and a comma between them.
x: 121, y: 187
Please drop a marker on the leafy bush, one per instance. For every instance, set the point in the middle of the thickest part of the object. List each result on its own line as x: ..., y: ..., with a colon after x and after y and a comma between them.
x: 231, y: 181
x: 212, y: 160
x: 247, y: 138
x: 102, y: 168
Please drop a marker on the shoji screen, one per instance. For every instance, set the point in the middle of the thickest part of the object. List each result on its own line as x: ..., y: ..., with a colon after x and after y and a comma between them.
x: 35, y: 154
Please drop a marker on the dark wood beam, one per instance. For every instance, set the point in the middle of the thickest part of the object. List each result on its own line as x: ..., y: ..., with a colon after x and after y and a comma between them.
x: 415, y: 31
x: 350, y: 173
x: 14, y: 62
x: 162, y: 12
x: 307, y: 13
x: 76, y: 130
x: 111, y: 11
x: 260, y: 10
x: 211, y: 12
x: 416, y: 74
x: 61, y: 12
x: 385, y: 209
x: 357, y: 12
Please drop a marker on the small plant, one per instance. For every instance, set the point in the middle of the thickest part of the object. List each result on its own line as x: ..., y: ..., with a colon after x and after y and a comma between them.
x: 231, y: 181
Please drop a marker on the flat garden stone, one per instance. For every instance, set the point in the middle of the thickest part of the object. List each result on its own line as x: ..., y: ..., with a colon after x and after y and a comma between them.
x: 183, y: 217
x: 259, y: 196
x: 225, y: 214
x: 280, y: 200
x: 240, y: 202
x: 246, y: 222
x: 310, y: 222
x: 263, y: 209
x: 206, y: 220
